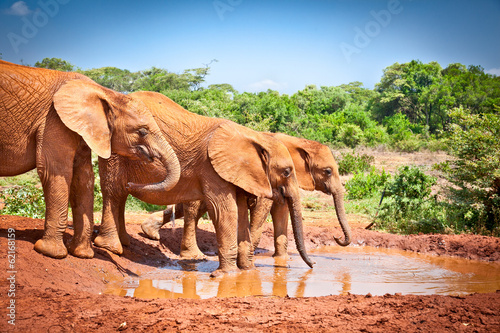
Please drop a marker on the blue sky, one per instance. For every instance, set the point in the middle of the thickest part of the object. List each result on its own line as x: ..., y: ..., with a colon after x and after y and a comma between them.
x: 259, y: 44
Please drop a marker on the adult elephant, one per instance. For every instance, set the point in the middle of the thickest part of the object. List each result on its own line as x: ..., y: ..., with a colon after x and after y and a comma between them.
x: 221, y: 163
x: 316, y: 169
x: 51, y: 120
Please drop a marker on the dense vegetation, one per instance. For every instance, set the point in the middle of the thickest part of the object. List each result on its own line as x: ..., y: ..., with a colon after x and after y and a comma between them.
x: 414, y: 106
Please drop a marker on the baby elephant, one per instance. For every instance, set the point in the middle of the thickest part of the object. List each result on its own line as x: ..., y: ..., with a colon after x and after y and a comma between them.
x: 222, y: 163
x: 315, y: 168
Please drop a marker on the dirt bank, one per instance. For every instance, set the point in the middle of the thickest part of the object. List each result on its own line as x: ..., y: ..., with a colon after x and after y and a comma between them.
x: 62, y: 295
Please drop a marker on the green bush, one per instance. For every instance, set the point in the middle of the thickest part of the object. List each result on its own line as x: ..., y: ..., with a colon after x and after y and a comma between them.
x: 366, y: 185
x: 474, y: 174
x: 409, y: 207
x: 351, y: 163
x: 435, y: 145
x: 26, y: 200
x: 409, y: 145
x: 350, y: 135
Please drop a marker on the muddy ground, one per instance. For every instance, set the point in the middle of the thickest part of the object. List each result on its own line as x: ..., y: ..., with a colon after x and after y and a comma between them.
x: 63, y: 295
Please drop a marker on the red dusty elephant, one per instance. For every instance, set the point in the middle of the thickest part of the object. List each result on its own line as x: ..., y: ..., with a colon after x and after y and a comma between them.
x: 315, y: 168
x: 222, y: 163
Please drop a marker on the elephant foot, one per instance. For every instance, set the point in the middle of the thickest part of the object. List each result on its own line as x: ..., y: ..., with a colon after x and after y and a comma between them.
x: 221, y: 271
x: 245, y: 256
x: 82, y: 250
x: 51, y: 248
x: 193, y: 254
x: 281, y: 255
x: 109, y: 243
x: 151, y: 227
x: 246, y: 265
x: 281, y: 247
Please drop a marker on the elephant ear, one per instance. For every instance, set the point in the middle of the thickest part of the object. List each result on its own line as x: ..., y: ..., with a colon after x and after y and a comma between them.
x: 238, y: 158
x: 83, y: 108
x: 302, y: 161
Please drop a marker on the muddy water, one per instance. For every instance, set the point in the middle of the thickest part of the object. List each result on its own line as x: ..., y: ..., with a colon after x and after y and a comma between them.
x: 355, y: 270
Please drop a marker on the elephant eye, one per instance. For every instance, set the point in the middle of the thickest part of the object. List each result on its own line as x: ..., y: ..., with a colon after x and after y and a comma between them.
x: 143, y: 132
x: 287, y: 172
x: 328, y: 171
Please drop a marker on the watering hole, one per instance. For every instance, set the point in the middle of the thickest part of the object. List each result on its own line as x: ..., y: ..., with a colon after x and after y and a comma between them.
x: 355, y: 270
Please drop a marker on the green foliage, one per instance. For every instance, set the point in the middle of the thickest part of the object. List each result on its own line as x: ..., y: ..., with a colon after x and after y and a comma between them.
x: 408, y: 106
x: 425, y: 93
x: 408, y: 206
x: 26, y: 200
x: 410, y: 183
x: 111, y: 77
x: 351, y: 135
x: 366, y: 185
x: 135, y: 205
x: 398, y: 127
x: 474, y: 174
x: 97, y: 184
x: 367, y: 206
x: 55, y: 63
x: 28, y: 178
x: 351, y: 163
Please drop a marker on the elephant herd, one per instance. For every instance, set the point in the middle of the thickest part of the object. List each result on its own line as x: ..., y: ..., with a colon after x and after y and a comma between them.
x: 150, y: 147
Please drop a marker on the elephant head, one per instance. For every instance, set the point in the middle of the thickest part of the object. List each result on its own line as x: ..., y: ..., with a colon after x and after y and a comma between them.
x: 260, y: 165
x: 111, y: 122
x: 317, y: 170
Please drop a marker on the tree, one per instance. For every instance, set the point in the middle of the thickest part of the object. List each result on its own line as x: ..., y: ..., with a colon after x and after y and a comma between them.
x: 158, y: 79
x: 357, y: 93
x: 114, y: 78
x: 325, y: 100
x: 475, y: 172
x: 401, y: 87
x: 55, y: 63
x: 196, y: 76
x: 226, y: 87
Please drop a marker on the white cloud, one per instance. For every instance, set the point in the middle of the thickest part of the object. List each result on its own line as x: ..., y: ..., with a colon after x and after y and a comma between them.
x: 265, y: 85
x: 19, y: 8
x: 495, y: 71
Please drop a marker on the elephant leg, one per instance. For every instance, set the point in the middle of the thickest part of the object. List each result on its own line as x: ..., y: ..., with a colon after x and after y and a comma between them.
x: 122, y: 230
x: 279, y: 213
x: 223, y: 211
x: 112, y: 213
x: 151, y: 226
x: 55, y: 154
x: 56, y: 193
x: 245, y: 251
x: 82, y: 203
x: 258, y: 216
x: 114, y: 196
x: 192, y: 213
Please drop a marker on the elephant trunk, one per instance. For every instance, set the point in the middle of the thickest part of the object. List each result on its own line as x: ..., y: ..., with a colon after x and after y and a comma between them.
x: 168, y: 158
x: 294, y: 207
x: 338, y: 200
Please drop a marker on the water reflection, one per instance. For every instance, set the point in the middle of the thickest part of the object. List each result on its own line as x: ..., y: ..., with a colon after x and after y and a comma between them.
x: 357, y: 270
